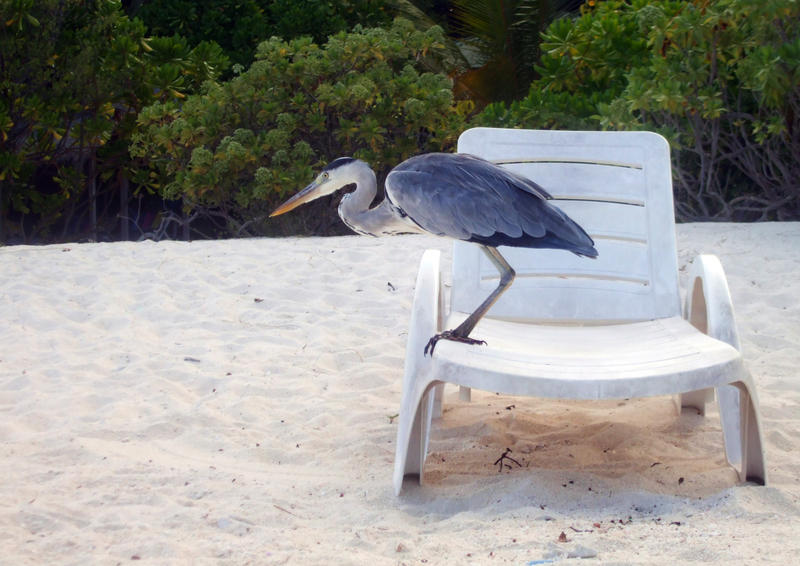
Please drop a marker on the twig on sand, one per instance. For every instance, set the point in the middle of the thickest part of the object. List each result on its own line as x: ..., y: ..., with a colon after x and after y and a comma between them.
x: 279, y: 508
x: 505, y: 456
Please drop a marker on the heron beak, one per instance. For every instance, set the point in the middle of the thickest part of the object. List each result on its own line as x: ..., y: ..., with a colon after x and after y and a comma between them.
x: 309, y: 193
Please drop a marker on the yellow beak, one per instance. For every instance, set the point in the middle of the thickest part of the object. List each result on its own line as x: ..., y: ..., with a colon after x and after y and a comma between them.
x: 309, y: 193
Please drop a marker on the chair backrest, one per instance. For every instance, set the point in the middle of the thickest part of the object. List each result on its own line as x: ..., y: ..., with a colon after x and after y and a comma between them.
x: 618, y: 187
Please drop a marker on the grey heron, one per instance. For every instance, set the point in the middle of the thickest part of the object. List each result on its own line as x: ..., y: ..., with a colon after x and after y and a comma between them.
x: 454, y: 195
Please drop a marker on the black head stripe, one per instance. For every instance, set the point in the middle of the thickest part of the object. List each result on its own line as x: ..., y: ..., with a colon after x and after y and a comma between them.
x: 338, y: 163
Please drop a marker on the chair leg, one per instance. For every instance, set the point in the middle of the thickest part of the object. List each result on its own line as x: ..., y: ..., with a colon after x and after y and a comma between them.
x: 697, y: 399
x: 420, y: 433
x: 464, y: 394
x: 413, y: 433
x: 741, y: 431
x: 730, y: 415
x: 753, y: 464
x: 438, y: 399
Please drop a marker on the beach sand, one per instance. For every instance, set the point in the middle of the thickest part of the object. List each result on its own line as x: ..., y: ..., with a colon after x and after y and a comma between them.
x: 233, y: 402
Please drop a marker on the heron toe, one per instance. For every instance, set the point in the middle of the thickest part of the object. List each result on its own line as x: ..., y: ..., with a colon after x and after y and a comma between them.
x: 452, y: 336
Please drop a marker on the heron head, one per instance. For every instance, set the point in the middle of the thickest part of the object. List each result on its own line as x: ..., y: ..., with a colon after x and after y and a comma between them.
x: 337, y: 174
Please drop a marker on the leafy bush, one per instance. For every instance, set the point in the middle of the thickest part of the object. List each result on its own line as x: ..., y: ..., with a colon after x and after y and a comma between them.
x: 719, y: 78
x: 584, y: 64
x: 238, y: 26
x: 239, y: 148
x: 74, y: 74
x: 501, y: 40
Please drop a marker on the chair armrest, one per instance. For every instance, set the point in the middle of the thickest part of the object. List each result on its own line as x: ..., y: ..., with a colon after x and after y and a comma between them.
x: 426, y: 311
x: 708, y: 303
x: 417, y: 405
x: 708, y: 307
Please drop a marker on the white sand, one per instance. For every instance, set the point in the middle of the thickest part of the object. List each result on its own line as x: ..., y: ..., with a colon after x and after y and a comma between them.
x: 229, y: 402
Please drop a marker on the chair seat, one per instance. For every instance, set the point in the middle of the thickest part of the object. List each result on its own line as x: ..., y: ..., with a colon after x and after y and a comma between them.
x: 637, y: 359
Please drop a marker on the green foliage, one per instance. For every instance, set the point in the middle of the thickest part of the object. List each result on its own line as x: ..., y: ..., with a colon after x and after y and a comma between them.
x: 73, y: 75
x: 720, y: 78
x: 322, y: 18
x: 238, y: 26
x: 584, y: 63
x: 242, y: 146
x: 501, y: 39
x: 235, y: 25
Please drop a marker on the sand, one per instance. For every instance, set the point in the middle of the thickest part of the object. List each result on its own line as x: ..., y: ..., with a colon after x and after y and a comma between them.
x: 233, y: 402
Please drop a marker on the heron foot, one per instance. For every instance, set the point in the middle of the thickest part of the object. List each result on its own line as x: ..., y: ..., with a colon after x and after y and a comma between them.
x: 452, y: 336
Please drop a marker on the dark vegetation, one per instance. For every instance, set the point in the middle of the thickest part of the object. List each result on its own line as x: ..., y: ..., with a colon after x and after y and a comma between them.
x: 193, y: 118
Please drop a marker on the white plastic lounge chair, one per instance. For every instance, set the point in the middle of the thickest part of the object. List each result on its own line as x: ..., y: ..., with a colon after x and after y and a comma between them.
x: 575, y: 328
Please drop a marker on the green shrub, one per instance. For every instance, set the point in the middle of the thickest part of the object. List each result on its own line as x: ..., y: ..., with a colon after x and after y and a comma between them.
x: 238, y: 26
x: 584, y: 64
x: 240, y: 147
x: 719, y: 78
x: 74, y: 74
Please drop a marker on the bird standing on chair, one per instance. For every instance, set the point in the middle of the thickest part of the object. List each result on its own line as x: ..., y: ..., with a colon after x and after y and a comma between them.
x: 454, y: 195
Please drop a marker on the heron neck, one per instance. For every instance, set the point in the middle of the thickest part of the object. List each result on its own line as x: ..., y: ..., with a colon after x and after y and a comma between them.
x: 354, y: 208
x: 359, y: 200
x: 382, y: 220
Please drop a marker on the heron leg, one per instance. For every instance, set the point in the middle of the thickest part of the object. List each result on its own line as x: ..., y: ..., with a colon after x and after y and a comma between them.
x: 462, y: 331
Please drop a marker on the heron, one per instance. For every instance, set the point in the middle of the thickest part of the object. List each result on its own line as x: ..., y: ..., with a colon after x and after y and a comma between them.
x: 453, y: 195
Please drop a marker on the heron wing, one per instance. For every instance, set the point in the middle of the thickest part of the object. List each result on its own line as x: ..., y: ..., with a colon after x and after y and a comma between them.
x: 468, y: 198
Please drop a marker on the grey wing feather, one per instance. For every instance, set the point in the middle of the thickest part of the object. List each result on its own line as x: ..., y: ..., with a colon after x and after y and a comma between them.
x: 460, y: 196
x: 468, y: 198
